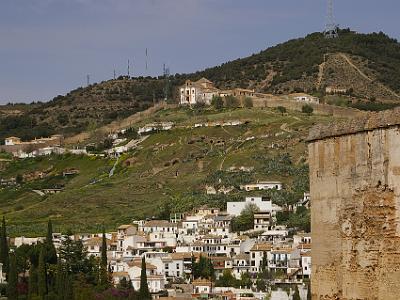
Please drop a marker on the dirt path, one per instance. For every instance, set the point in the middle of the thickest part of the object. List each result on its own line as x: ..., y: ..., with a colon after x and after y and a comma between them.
x: 348, y: 60
x: 321, y: 72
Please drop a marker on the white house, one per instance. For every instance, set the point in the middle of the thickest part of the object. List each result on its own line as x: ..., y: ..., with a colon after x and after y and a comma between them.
x: 201, y: 91
x: 12, y: 140
x: 262, y: 185
x: 235, y: 208
x: 302, y: 97
x: 155, y: 281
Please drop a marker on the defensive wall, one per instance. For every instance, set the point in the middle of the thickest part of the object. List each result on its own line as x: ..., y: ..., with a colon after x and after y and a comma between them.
x: 355, y: 215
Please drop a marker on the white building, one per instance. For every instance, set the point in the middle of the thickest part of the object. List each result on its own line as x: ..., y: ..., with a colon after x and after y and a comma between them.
x: 235, y: 208
x: 201, y: 91
x: 262, y: 185
x: 301, y: 97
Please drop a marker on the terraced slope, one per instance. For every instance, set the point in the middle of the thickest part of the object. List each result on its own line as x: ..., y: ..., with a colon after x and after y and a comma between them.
x: 167, y: 173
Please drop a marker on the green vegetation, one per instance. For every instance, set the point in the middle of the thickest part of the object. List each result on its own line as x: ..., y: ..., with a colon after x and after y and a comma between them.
x: 307, y: 109
x: 166, y: 174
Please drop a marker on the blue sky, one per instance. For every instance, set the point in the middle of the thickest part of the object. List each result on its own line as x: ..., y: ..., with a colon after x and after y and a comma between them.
x: 48, y: 46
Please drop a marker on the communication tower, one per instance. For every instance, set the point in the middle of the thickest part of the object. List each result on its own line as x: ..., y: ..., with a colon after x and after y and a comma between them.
x: 331, y: 28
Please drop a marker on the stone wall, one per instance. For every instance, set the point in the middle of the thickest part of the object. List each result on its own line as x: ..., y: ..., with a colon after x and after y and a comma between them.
x: 323, y: 109
x: 355, y: 218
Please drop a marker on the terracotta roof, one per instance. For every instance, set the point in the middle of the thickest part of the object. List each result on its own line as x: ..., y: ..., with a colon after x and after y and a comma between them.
x: 261, y: 247
x: 159, y: 223
x: 138, y: 263
x: 120, y: 274
x: 242, y: 256
x: 180, y: 255
x: 96, y: 241
x: 202, y: 282
x: 125, y: 226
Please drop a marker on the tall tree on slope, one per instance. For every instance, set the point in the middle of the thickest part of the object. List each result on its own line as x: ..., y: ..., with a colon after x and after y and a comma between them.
x: 51, y: 253
x: 4, y: 250
x: 144, y: 293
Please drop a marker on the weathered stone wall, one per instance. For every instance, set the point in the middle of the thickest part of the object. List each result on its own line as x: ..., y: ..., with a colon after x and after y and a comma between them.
x: 323, y: 109
x: 355, y: 219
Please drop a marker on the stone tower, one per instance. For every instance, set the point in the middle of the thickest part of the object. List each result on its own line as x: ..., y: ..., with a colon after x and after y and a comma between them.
x: 355, y: 219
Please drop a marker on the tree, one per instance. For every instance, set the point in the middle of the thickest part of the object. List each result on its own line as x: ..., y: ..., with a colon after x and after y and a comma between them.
x: 217, y: 102
x: 231, y: 101
x: 42, y: 274
x: 33, y: 282
x: 309, y: 291
x: 51, y: 253
x: 227, y: 279
x: 281, y: 109
x: 12, y: 290
x: 4, y: 250
x: 103, y: 280
x: 245, y: 220
x: 296, y: 295
x: 248, y: 102
x: 307, y: 109
x: 245, y: 280
x: 144, y: 293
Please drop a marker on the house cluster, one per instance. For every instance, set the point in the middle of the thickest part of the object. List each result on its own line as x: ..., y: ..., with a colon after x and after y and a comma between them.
x: 36, y: 147
x: 171, y: 247
x: 257, y: 186
x: 203, y: 90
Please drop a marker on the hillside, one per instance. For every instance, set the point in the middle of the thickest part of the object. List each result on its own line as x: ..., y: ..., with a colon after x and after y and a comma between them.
x: 365, y: 65
x: 295, y: 65
x: 167, y: 173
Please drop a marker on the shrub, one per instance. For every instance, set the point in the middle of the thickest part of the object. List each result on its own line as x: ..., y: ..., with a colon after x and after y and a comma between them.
x: 281, y: 109
x: 248, y: 102
x: 217, y: 102
x: 307, y: 109
x: 231, y: 101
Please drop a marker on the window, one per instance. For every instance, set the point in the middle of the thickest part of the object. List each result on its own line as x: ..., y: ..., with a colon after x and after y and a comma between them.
x: 178, y: 274
x: 177, y: 266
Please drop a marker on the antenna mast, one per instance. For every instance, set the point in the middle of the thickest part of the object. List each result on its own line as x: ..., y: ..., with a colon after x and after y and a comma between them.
x: 128, y: 68
x: 331, y: 28
x: 166, y: 73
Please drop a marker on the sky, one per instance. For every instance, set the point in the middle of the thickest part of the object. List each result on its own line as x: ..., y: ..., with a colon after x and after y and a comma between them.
x: 47, y: 47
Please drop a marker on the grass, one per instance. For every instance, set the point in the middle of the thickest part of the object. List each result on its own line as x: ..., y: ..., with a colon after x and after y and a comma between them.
x: 140, y: 190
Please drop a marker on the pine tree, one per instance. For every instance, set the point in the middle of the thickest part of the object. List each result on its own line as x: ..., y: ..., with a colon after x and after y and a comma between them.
x: 12, y: 290
x: 4, y: 251
x: 42, y: 274
x: 33, y: 281
x: 296, y: 295
x: 144, y: 293
x: 51, y: 253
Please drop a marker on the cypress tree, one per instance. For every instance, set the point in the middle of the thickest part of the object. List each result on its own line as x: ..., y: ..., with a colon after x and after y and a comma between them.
x: 33, y: 281
x: 309, y: 291
x: 42, y: 274
x: 296, y: 295
x: 4, y: 250
x: 144, y: 293
x: 12, y: 290
x: 104, y: 250
x: 60, y: 281
x: 104, y: 282
x: 51, y: 253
